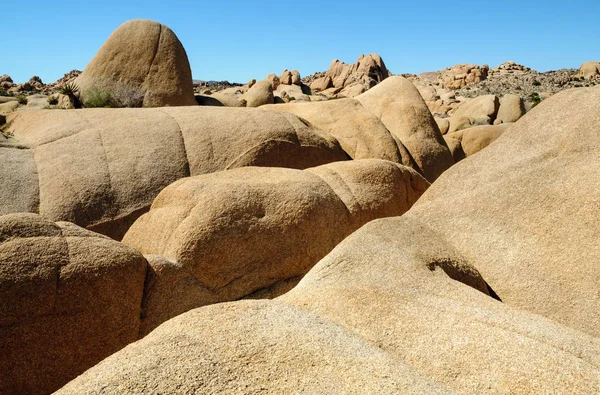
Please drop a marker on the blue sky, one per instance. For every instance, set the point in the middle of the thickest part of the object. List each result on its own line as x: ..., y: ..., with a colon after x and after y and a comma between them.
x: 239, y: 40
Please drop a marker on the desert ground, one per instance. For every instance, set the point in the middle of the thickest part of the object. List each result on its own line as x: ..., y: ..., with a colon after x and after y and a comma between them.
x: 348, y: 232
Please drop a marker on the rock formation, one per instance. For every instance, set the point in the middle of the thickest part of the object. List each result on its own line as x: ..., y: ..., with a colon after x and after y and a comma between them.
x: 412, y: 303
x: 213, y: 229
x: 141, y: 64
x: 349, y: 80
x: 70, y: 298
x: 102, y: 168
x: 590, y: 70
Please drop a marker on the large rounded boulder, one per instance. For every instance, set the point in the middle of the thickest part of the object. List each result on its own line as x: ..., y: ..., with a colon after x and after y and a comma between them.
x: 256, y: 231
x: 400, y: 107
x: 69, y: 298
x: 142, y: 63
x: 101, y: 168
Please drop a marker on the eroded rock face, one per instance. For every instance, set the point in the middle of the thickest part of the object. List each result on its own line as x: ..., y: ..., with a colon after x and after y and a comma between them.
x: 367, y: 72
x: 590, y: 70
x: 463, y: 75
x: 422, y: 287
x: 527, y: 211
x: 70, y: 298
x: 241, y: 232
x: 474, y: 139
x: 101, y: 168
x: 400, y: 107
x: 142, y: 63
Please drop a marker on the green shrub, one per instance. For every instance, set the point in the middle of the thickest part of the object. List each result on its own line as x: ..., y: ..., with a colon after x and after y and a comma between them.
x: 22, y: 100
x: 536, y: 83
x: 535, y: 99
x: 52, y: 100
x: 69, y: 89
x: 96, y: 98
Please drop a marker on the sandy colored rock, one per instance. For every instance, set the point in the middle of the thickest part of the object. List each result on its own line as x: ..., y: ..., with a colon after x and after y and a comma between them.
x: 590, y: 70
x: 511, y: 109
x: 393, y: 301
x: 476, y: 138
x: 463, y: 75
x: 456, y: 123
x: 69, y: 299
x: 360, y: 134
x: 8, y: 107
x: 402, y: 110
x: 321, y: 84
x: 93, y: 174
x: 320, y: 357
x: 443, y: 124
x: 526, y: 213
x: 142, y: 63
x: 273, y: 80
x: 292, y: 92
x: 19, y: 180
x: 483, y: 109
x: 286, y: 77
x: 454, y: 145
x: 231, y: 234
x: 259, y: 94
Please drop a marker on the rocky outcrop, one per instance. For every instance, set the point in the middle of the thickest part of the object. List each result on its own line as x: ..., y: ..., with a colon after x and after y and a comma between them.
x: 590, y: 70
x: 259, y: 94
x: 101, y: 168
x: 411, y: 303
x: 142, y: 64
x: 400, y: 107
x: 70, y: 298
x: 474, y: 139
x: 353, y: 79
x: 259, y: 230
x: 463, y: 75
x: 360, y: 133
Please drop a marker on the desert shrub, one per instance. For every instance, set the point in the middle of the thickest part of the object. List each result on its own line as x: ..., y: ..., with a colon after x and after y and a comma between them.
x: 535, y: 99
x: 3, y: 92
x: 291, y: 98
x: 97, y: 98
x: 22, y: 100
x: 69, y: 89
x: 536, y: 83
x: 52, y: 100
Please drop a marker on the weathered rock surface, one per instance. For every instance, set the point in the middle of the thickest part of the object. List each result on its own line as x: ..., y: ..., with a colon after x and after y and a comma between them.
x: 526, y: 212
x: 101, y: 168
x: 353, y: 79
x: 361, y: 134
x: 590, y: 70
x: 259, y: 94
x: 400, y: 107
x: 511, y: 109
x: 142, y: 63
x: 482, y: 109
x: 463, y: 75
x: 476, y: 138
x: 227, y: 235
x: 70, y: 298
x: 422, y: 289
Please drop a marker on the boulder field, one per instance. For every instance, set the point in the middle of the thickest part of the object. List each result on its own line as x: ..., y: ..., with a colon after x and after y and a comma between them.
x: 487, y: 284
x: 101, y: 168
x: 77, y: 296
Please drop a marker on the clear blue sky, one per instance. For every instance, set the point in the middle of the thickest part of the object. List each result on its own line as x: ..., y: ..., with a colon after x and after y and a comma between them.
x: 243, y: 39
